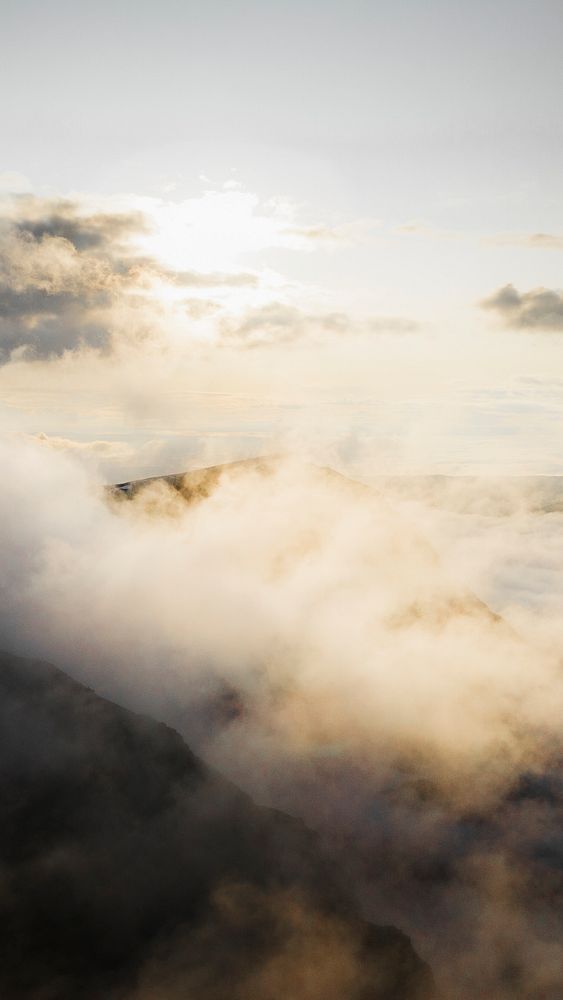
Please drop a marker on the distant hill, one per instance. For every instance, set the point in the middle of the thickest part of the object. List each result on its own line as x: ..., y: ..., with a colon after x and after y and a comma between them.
x: 130, y: 870
x: 489, y: 495
x: 200, y: 483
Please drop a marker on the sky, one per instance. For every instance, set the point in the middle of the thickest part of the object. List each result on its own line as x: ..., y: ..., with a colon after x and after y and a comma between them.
x: 239, y: 227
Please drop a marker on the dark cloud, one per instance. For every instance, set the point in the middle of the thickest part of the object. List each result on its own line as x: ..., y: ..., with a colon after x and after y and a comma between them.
x: 61, y: 218
x: 65, y: 272
x: 68, y: 277
x: 61, y: 272
x: 538, y: 309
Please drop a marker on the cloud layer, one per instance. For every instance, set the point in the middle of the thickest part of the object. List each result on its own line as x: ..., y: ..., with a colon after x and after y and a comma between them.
x: 374, y: 695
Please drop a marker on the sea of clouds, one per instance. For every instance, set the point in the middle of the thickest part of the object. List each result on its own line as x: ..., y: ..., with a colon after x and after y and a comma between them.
x: 385, y: 666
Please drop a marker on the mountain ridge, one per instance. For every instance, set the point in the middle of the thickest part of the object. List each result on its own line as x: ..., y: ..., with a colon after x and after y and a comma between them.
x: 118, y: 846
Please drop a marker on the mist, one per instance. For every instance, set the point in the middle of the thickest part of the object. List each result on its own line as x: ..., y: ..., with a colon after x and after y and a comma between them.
x: 360, y: 657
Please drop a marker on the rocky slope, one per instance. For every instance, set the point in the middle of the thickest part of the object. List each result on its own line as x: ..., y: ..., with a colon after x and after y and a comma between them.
x: 129, y: 869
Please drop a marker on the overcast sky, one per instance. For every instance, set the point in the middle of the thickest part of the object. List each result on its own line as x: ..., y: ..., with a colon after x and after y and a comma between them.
x: 343, y: 229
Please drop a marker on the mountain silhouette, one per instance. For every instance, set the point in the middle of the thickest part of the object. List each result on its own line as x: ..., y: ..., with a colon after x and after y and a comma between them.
x: 129, y: 869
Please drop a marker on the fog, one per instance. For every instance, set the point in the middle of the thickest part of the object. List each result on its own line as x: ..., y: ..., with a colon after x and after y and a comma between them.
x: 382, y: 663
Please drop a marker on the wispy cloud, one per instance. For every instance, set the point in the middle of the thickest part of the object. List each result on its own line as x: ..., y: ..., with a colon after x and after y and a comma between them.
x: 217, y: 279
x: 426, y: 230
x: 344, y: 233
x: 535, y: 241
x: 277, y: 323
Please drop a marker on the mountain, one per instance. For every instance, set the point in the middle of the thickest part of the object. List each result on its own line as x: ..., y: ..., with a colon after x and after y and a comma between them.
x: 200, y: 483
x: 128, y: 869
x: 492, y: 496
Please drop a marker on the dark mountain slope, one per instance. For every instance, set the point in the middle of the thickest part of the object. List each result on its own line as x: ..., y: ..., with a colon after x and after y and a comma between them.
x: 129, y: 869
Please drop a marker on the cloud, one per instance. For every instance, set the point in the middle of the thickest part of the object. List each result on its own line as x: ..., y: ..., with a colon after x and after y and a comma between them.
x: 61, y: 274
x: 198, y: 279
x: 65, y: 219
x: 374, y: 696
x: 79, y: 278
x: 536, y: 241
x: 392, y: 324
x: 113, y: 449
x: 277, y: 323
x: 546, y: 241
x: 72, y: 278
x: 538, y: 309
x: 114, y: 459
x: 423, y: 229
x: 342, y: 234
